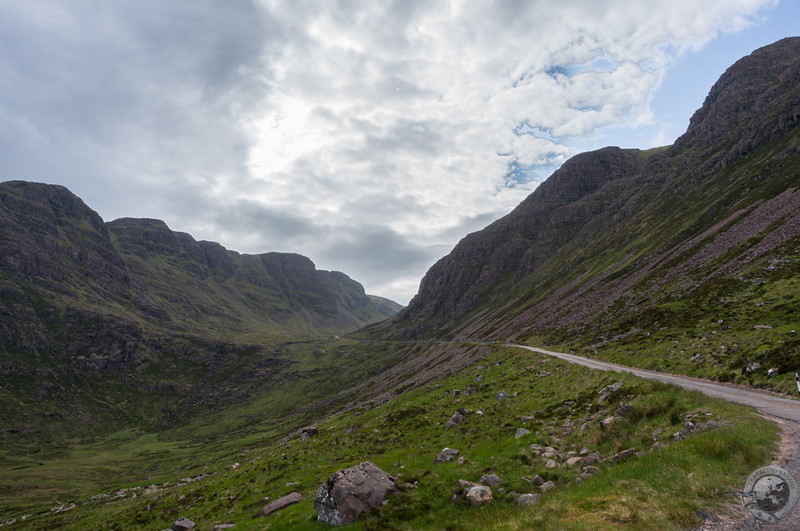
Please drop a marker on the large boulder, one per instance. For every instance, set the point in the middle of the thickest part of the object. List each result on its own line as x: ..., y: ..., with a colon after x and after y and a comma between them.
x: 350, y: 491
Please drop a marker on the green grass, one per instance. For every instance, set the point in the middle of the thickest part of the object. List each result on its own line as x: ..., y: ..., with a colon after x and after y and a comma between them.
x: 664, y: 488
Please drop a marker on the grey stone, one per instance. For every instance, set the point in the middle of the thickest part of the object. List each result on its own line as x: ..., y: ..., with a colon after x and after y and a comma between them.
x: 502, y: 395
x: 623, y: 455
x: 455, y: 420
x: 574, y: 461
x: 479, y: 495
x: 350, y: 491
x: 551, y: 464
x: 547, y: 486
x: 538, y: 480
x: 752, y: 367
x: 308, y: 432
x: 527, y: 500
x: 220, y: 527
x: 470, y: 390
x: 521, y: 432
x: 625, y: 411
x: 282, y: 503
x: 448, y: 454
x: 492, y: 480
x: 182, y: 524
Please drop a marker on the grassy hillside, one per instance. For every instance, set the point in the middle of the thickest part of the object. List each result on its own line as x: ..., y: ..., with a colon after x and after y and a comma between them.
x: 228, y: 476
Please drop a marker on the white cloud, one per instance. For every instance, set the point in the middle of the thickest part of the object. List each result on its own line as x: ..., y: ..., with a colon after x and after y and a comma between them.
x: 364, y: 135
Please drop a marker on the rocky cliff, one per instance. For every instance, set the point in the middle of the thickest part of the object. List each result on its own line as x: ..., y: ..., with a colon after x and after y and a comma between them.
x: 95, y: 313
x: 615, y: 232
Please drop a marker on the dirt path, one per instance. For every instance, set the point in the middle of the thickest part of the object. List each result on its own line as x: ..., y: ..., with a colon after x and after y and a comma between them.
x: 785, y: 412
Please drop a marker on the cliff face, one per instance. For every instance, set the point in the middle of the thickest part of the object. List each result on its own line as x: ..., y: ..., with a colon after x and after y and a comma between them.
x: 613, y: 231
x: 95, y: 313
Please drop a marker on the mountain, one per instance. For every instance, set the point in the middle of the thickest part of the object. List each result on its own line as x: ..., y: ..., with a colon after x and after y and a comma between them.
x: 619, y: 244
x: 93, y: 313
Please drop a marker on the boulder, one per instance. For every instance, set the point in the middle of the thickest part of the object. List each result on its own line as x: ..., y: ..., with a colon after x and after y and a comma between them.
x: 448, y: 454
x: 547, y: 486
x: 623, y: 455
x: 574, y: 461
x: 526, y: 500
x: 350, y: 491
x: 455, y: 420
x: 521, y: 432
x: 479, y: 495
x: 182, y: 524
x: 492, y: 480
x: 282, y: 503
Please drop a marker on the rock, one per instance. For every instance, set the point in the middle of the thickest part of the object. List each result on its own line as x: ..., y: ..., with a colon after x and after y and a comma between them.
x: 537, y: 480
x: 502, y: 395
x: 492, y: 480
x: 527, y: 500
x: 656, y: 434
x: 544, y: 374
x: 220, y: 527
x: 547, y: 486
x: 521, y: 432
x: 479, y: 378
x: 591, y: 469
x: 591, y: 458
x: 771, y: 373
x: 455, y: 420
x: 697, y: 358
x: 536, y: 448
x: 623, y: 455
x: 479, y: 495
x: 606, y: 424
x: 182, y: 524
x: 470, y: 390
x: 582, y: 477
x: 752, y: 367
x: 607, y: 390
x: 761, y: 327
x: 448, y: 454
x: 625, y: 411
x: 551, y: 464
x: 308, y: 432
x: 350, y: 491
x: 585, y: 426
x: 574, y: 461
x: 464, y: 484
x: 282, y: 503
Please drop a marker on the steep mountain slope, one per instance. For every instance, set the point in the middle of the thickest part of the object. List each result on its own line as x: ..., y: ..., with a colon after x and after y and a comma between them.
x: 624, y: 242
x: 94, y: 314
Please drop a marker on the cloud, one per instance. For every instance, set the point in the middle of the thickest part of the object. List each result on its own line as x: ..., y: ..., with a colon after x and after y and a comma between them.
x: 367, y: 136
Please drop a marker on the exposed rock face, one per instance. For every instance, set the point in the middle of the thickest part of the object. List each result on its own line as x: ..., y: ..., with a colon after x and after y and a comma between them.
x: 625, y: 230
x: 351, y: 491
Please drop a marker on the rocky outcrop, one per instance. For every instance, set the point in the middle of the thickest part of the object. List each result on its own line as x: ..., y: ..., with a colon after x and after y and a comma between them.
x: 614, y: 232
x: 350, y: 492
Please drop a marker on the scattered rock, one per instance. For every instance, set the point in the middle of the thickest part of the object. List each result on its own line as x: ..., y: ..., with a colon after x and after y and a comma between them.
x: 527, y: 500
x: 625, y: 411
x: 308, y: 432
x: 547, y: 486
x: 455, y: 420
x: 350, y: 491
x: 502, y: 395
x: 623, y: 455
x: 574, y: 461
x: 479, y: 495
x: 607, y: 424
x: 492, y: 480
x: 282, y: 503
x: 182, y: 524
x: 448, y: 454
x: 752, y: 367
x: 521, y: 432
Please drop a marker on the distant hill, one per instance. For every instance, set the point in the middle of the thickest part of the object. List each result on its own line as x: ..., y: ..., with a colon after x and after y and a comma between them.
x: 622, y: 246
x: 93, y: 311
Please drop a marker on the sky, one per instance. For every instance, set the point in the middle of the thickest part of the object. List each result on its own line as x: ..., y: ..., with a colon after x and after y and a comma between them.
x: 369, y: 136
